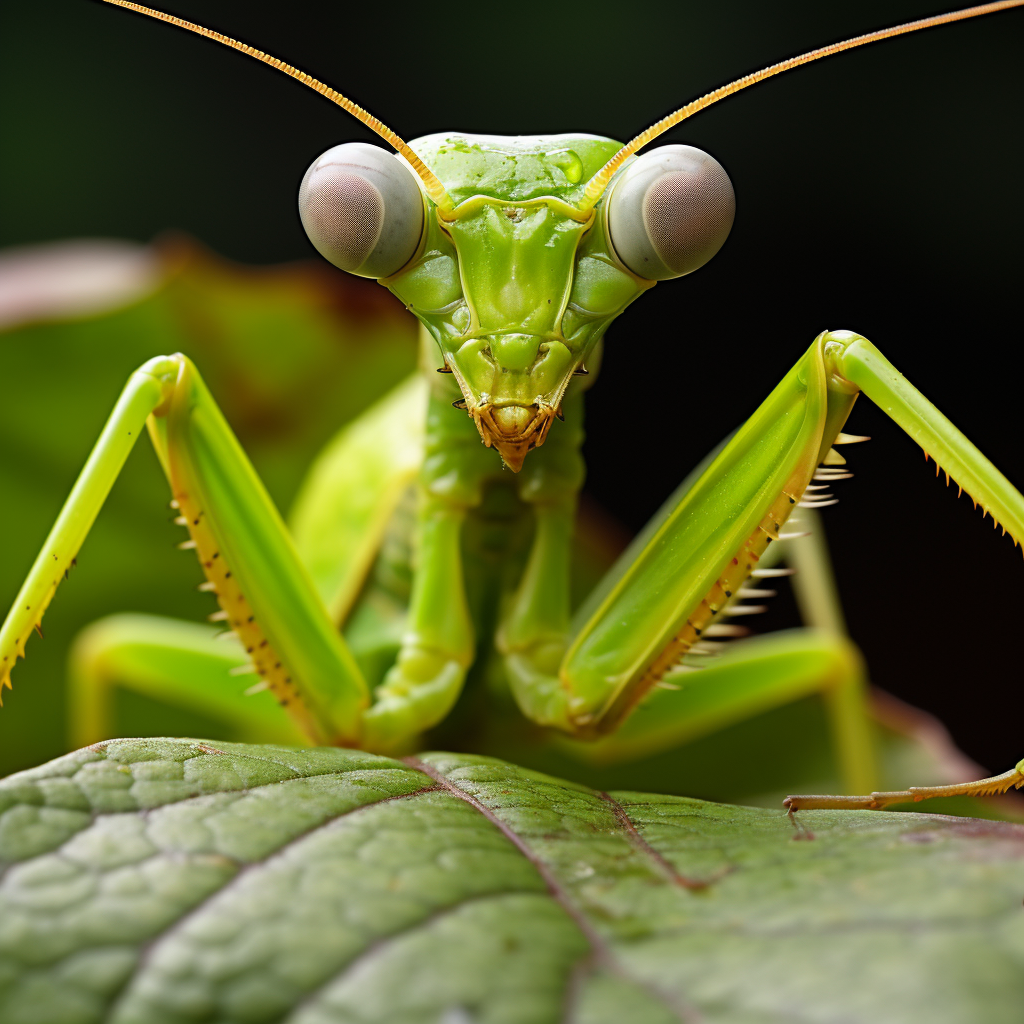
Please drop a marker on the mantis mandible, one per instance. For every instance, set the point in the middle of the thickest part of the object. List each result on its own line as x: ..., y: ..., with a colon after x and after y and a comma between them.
x: 515, y: 255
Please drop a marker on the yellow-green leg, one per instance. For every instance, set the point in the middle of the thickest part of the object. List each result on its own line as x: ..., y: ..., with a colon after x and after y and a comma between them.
x: 183, y: 664
x: 993, y: 786
x: 264, y: 592
x: 755, y: 676
x: 865, y: 367
x: 627, y: 679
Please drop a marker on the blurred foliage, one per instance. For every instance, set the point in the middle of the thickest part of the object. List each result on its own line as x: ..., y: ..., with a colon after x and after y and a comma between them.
x: 290, y: 353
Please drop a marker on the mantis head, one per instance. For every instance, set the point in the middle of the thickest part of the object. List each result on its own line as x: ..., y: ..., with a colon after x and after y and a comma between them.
x: 516, y: 253
x: 512, y: 276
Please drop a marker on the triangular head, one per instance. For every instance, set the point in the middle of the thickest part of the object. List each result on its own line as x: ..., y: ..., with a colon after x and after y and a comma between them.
x: 517, y: 280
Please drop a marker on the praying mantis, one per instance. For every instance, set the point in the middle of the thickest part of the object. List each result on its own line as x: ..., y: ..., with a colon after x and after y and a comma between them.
x: 610, y: 674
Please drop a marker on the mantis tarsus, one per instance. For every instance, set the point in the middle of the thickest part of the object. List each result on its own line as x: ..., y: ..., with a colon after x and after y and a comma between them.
x: 593, y: 696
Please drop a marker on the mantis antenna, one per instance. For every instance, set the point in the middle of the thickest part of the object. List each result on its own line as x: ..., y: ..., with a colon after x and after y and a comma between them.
x: 599, y: 182
x: 431, y: 183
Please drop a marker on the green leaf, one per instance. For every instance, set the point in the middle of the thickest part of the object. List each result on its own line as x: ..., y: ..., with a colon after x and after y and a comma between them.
x: 159, y: 881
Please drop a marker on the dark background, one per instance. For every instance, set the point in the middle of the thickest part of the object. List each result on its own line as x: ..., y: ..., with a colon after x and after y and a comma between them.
x: 877, y: 191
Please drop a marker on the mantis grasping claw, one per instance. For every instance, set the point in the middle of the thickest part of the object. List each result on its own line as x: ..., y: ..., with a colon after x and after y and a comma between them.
x: 515, y: 254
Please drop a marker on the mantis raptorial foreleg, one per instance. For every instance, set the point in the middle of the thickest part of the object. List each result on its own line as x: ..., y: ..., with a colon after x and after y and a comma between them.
x: 536, y: 629
x: 350, y: 494
x: 264, y: 592
x: 661, y: 604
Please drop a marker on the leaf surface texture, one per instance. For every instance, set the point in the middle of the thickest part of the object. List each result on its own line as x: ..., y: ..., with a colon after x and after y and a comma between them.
x: 172, y: 881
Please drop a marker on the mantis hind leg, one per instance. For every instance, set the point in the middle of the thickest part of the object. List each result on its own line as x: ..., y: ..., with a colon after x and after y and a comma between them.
x: 182, y: 664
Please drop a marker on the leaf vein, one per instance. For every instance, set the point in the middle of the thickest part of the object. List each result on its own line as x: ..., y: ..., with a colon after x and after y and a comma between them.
x: 663, y: 864
x: 380, y: 945
x: 603, y: 954
x: 144, y: 812
x: 146, y: 949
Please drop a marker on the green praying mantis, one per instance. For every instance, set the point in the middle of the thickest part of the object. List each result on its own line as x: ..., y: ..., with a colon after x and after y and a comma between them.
x: 515, y: 254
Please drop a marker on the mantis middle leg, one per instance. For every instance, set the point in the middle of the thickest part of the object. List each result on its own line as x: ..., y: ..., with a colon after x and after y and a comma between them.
x: 182, y: 664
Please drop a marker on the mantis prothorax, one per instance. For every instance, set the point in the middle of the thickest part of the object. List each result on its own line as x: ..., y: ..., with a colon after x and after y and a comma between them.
x: 515, y: 254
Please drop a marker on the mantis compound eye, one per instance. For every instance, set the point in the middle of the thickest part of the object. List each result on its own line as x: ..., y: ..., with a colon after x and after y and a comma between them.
x: 670, y: 211
x: 362, y: 209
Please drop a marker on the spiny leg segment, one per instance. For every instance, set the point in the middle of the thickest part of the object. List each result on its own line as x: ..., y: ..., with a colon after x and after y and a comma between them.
x: 726, y: 586
x: 663, y: 599
x: 858, y: 361
x: 238, y: 614
x: 265, y: 594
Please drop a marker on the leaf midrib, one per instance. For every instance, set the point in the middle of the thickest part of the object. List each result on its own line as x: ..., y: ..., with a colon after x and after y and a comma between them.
x: 601, y: 953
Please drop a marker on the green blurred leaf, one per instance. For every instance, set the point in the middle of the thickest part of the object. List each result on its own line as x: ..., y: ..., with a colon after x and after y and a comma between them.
x: 164, y: 881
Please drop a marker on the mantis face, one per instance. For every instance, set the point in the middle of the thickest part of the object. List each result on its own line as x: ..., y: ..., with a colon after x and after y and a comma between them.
x: 515, y: 278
